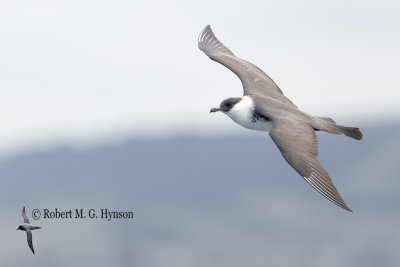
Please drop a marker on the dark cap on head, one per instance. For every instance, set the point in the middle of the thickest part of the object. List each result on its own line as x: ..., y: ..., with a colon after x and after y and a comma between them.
x: 227, y: 104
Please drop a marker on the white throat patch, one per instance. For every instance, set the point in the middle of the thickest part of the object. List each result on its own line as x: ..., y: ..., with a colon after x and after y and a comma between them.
x: 242, y: 113
x: 243, y: 108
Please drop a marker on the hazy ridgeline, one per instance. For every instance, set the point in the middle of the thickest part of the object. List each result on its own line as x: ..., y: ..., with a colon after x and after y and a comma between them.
x: 226, y: 201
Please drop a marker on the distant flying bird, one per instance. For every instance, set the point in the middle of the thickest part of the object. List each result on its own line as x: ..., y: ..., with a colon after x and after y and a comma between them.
x: 27, y: 227
x: 264, y: 107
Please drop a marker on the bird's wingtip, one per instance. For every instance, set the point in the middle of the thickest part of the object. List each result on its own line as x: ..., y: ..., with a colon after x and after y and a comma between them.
x: 347, y: 208
x: 207, y: 27
x: 209, y: 43
x: 202, y: 34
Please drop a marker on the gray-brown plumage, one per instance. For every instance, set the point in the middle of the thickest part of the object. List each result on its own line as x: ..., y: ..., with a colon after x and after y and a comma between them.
x: 27, y: 227
x: 264, y: 107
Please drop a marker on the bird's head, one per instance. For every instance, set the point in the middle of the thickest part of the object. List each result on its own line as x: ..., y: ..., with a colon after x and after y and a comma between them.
x: 20, y: 228
x: 227, y: 105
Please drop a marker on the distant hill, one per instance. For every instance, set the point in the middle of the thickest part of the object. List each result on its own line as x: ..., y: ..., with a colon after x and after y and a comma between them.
x: 212, y: 201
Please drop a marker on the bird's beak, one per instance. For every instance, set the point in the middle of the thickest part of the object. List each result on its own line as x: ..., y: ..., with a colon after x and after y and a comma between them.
x: 215, y: 110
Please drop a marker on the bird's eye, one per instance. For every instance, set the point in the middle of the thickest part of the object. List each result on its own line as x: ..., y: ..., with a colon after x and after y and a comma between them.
x: 228, y: 105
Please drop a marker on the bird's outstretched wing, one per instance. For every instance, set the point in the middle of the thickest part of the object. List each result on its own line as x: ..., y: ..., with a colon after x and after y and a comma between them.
x: 254, y: 80
x: 298, y: 144
x: 29, y: 239
x: 26, y: 220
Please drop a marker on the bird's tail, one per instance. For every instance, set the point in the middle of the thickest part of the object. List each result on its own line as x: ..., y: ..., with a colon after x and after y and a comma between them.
x: 352, y: 132
x: 330, y: 126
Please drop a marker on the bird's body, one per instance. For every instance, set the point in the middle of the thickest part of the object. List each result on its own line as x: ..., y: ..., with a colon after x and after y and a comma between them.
x: 264, y: 107
x: 27, y: 227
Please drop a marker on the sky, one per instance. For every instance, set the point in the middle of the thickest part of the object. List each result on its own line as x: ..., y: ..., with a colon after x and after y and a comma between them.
x: 87, y: 71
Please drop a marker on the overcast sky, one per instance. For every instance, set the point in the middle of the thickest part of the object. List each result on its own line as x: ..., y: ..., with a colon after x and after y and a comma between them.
x: 86, y: 71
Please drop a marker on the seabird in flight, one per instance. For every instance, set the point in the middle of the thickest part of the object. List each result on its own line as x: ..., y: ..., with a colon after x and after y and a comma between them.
x: 27, y: 227
x: 264, y: 107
